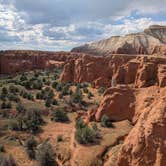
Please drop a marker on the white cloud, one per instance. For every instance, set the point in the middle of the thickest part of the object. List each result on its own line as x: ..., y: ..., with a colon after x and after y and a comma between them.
x: 29, y: 24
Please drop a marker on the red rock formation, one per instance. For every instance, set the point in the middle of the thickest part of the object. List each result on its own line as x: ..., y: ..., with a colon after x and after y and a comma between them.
x: 145, y: 145
x: 118, y: 104
x: 18, y: 61
x: 151, y: 41
x: 142, y: 71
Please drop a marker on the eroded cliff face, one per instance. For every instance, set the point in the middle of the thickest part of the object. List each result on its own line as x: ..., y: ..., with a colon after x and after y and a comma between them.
x: 145, y: 145
x: 146, y: 109
x: 139, y: 95
x: 24, y: 60
x: 151, y: 41
x: 141, y: 71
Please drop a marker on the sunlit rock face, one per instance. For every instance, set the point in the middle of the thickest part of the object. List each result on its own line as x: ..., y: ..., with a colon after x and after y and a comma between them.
x: 141, y: 71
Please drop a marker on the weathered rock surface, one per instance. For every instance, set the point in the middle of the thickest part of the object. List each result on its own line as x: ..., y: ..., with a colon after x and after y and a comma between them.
x: 146, y: 143
x: 118, y: 104
x: 24, y: 60
x: 144, y: 104
x: 146, y: 108
x: 141, y: 71
x: 151, y: 41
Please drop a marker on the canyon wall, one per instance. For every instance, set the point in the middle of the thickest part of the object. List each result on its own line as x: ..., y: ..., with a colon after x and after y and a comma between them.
x: 151, y: 41
x: 138, y: 94
x: 141, y: 71
x: 24, y: 60
x: 145, y: 145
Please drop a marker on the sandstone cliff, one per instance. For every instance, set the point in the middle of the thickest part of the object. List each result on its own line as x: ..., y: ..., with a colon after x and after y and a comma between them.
x: 146, y: 109
x: 151, y: 41
x: 140, y: 71
x: 138, y: 95
x: 24, y: 60
x: 145, y: 145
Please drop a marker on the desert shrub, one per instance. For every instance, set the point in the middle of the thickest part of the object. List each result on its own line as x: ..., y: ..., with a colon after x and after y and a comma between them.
x: 37, y: 85
x: 3, y: 105
x: 59, y: 138
x: 59, y: 87
x: 25, y: 94
x: 50, y: 94
x: 7, y: 161
x: 105, y: 121
x: 76, y: 97
x: 5, y: 113
x: 90, y: 95
x: 27, y: 84
x: 23, y: 77
x: 80, y: 124
x: 48, y: 103
x: 85, y: 135
x: 30, y: 146
x: 47, y: 93
x: 85, y: 90
x: 45, y: 155
x: 30, y: 96
x: 101, y: 90
x: 13, y: 125
x: 54, y: 102
x: 44, y: 79
x: 4, y: 90
x: 8, y: 105
x: 13, y: 97
x: 94, y: 126
x: 33, y: 120
x: 13, y: 89
x: 54, y: 84
x: 2, y: 148
x: 59, y: 115
x: 39, y: 96
x: 3, y: 96
x: 20, y: 108
x: 48, y: 83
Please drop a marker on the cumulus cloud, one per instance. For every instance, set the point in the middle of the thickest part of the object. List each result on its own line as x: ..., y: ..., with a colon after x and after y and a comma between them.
x: 63, y: 24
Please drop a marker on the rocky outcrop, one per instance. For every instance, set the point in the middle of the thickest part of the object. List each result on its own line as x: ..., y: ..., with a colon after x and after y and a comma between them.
x: 118, y: 104
x: 146, y: 109
x: 151, y: 41
x: 141, y: 71
x: 145, y: 145
x: 24, y: 60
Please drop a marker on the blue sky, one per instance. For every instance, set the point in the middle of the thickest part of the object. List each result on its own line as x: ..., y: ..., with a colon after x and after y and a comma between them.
x: 63, y: 24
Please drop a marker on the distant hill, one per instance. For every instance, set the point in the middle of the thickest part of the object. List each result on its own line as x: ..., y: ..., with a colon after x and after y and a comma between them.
x: 150, y: 41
